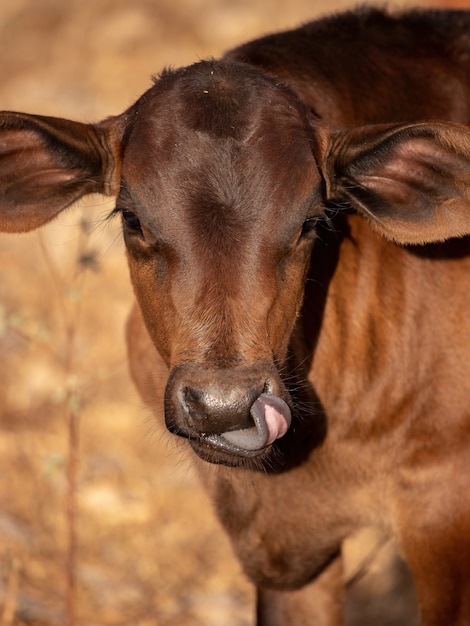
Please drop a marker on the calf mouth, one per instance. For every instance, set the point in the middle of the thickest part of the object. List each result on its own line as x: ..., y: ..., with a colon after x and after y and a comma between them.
x: 271, y: 418
x: 218, y: 451
x: 215, y: 450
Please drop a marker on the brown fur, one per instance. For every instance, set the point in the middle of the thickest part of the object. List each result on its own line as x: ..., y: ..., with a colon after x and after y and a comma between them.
x: 260, y: 231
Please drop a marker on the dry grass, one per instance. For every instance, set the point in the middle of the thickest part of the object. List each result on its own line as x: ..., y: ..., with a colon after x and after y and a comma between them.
x: 148, y: 550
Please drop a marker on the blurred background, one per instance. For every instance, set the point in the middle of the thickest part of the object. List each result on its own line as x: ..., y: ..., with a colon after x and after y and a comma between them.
x: 102, y: 520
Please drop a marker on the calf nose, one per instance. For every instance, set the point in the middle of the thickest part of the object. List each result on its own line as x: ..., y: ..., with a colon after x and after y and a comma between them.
x: 248, y: 421
x: 234, y: 410
x: 214, y: 410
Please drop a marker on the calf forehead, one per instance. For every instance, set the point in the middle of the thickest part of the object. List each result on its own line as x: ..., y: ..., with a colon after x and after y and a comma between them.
x: 224, y: 135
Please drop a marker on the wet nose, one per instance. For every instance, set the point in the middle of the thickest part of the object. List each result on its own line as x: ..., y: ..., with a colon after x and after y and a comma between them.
x: 245, y: 414
x: 214, y: 410
x: 245, y: 422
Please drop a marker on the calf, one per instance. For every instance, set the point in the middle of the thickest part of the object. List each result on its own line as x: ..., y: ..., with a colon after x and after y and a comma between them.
x: 323, y: 367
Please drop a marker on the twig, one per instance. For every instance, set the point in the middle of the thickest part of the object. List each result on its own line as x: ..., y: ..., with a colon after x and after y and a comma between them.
x: 11, y: 597
x: 72, y: 467
x: 70, y: 317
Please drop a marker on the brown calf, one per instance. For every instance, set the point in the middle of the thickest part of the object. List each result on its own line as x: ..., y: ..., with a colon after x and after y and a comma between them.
x: 324, y: 368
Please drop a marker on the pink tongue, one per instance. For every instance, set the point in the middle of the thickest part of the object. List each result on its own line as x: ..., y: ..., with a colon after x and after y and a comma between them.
x: 271, y: 417
x: 276, y: 415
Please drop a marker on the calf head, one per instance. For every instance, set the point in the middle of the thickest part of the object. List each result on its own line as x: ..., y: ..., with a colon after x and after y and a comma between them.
x: 221, y: 176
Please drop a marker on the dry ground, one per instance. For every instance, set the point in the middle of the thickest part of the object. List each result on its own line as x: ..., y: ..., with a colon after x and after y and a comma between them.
x: 149, y: 551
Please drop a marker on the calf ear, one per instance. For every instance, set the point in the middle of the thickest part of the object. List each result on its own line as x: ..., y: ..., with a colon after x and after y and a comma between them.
x: 46, y: 164
x: 412, y: 180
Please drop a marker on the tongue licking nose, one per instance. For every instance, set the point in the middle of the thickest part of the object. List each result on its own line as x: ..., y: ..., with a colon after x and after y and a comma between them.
x: 272, y: 418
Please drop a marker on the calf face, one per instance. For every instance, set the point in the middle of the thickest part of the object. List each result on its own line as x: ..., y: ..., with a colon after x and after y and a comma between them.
x: 221, y: 176
x: 219, y: 272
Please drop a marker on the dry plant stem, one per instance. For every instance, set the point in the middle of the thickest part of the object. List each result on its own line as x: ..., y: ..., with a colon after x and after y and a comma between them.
x: 70, y: 315
x: 9, y: 608
x: 72, y: 466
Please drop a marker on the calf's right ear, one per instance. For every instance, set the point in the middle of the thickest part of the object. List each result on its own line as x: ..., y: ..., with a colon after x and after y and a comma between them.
x: 412, y: 181
x: 48, y: 163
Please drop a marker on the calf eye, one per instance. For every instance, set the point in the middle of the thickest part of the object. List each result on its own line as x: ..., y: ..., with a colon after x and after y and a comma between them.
x: 308, y: 226
x: 132, y: 222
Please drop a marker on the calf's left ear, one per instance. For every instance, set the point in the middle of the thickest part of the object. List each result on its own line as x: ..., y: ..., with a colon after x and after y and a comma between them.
x: 412, y: 181
x: 48, y: 163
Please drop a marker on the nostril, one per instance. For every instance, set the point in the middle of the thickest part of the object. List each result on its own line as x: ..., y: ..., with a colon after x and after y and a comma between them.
x: 191, y: 396
x: 268, y: 388
x: 193, y: 402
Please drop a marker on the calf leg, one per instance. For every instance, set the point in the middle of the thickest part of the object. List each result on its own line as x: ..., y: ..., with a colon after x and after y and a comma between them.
x: 318, y: 604
x: 437, y: 549
x: 442, y: 584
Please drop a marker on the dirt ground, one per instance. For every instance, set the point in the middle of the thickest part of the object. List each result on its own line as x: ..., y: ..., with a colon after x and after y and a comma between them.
x: 148, y: 551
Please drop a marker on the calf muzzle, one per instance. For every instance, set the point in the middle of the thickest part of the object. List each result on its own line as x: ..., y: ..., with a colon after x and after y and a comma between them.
x: 235, y: 411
